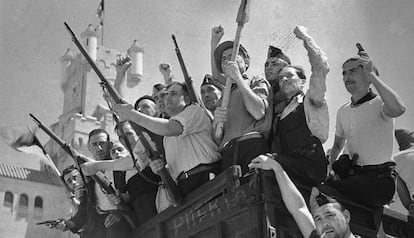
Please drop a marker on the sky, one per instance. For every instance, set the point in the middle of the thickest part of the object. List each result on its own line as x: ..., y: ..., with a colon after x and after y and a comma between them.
x: 33, y: 38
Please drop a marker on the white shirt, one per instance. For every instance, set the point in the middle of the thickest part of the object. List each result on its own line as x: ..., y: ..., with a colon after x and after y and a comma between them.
x: 367, y: 131
x: 405, y: 168
x: 195, y: 144
x: 102, y: 202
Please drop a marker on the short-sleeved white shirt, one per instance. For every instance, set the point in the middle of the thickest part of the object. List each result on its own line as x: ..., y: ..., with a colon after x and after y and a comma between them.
x: 367, y: 131
x: 195, y: 144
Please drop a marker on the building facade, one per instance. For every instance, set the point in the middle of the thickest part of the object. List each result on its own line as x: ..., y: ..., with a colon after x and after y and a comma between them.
x: 30, y: 196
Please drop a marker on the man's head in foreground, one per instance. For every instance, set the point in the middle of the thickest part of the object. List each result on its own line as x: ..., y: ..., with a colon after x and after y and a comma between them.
x: 331, y: 218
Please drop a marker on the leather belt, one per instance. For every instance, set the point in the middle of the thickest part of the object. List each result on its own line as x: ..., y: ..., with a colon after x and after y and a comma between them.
x: 198, y: 169
x: 251, y: 135
x: 378, y: 168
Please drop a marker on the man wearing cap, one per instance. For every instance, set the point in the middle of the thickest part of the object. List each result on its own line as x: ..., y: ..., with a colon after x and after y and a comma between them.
x: 146, y: 104
x: 405, y: 168
x: 247, y: 118
x: 327, y: 218
x: 301, y: 125
x: 366, y: 123
x: 211, y: 90
x: 275, y: 61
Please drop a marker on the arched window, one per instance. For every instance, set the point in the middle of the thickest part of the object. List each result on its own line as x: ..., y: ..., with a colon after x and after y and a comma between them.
x: 8, y: 199
x: 38, y: 208
x: 24, y: 200
x: 38, y: 202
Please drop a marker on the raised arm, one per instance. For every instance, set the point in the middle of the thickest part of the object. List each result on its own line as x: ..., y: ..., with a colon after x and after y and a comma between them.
x: 291, y: 196
x: 393, y: 105
x: 319, y: 65
x: 316, y: 108
x: 217, y: 33
x: 166, y: 71
x: 121, y: 66
x: 158, y: 126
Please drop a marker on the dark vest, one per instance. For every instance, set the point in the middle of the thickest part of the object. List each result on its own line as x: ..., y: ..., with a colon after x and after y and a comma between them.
x: 296, y: 139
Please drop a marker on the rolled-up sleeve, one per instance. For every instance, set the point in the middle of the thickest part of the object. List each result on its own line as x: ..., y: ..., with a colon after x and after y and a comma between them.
x: 261, y: 87
x: 316, y: 108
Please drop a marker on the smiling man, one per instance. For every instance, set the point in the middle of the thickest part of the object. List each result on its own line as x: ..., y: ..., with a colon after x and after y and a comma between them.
x: 301, y: 121
x: 327, y: 218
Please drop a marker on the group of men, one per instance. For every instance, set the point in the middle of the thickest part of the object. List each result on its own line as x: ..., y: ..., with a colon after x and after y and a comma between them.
x: 269, y: 123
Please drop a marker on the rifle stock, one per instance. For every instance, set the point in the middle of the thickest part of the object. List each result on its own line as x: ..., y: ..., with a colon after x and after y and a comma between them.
x: 99, y: 178
x: 172, y: 189
x: 164, y: 174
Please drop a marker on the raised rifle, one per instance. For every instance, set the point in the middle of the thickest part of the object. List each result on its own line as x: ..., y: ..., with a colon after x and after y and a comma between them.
x: 99, y: 177
x: 187, y: 78
x: 172, y: 188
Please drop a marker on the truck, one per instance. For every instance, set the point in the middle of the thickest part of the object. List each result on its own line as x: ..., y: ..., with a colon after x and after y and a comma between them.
x: 235, y: 206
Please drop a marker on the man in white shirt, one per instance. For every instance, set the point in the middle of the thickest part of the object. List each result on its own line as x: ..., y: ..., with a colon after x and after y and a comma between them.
x: 190, y: 151
x: 366, y: 124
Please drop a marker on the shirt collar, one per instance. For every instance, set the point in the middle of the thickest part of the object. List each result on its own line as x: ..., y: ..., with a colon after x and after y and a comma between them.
x: 370, y: 95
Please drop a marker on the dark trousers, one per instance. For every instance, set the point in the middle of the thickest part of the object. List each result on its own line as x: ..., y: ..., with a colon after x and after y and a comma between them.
x: 192, y: 182
x: 144, y: 206
x: 120, y: 229
x: 369, y: 188
x: 243, y: 152
x: 304, y: 171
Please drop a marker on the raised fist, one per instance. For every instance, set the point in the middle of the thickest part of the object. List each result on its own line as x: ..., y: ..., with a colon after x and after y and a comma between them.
x: 217, y: 33
x: 301, y: 32
x: 122, y: 64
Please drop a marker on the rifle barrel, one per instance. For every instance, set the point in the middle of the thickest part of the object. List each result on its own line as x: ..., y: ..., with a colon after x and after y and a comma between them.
x: 85, y: 54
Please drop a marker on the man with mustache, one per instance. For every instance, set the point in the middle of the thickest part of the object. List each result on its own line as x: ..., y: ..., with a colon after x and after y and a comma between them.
x: 301, y: 119
x: 366, y: 123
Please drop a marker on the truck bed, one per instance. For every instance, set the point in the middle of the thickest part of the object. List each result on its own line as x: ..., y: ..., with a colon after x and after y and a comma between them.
x: 227, y: 208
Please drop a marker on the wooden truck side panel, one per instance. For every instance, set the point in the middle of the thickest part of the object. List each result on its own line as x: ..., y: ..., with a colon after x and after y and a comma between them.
x: 222, y: 208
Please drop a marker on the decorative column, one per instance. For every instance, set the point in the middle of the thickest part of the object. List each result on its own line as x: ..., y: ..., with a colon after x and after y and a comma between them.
x: 137, y: 54
x: 90, y: 41
x: 65, y: 62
